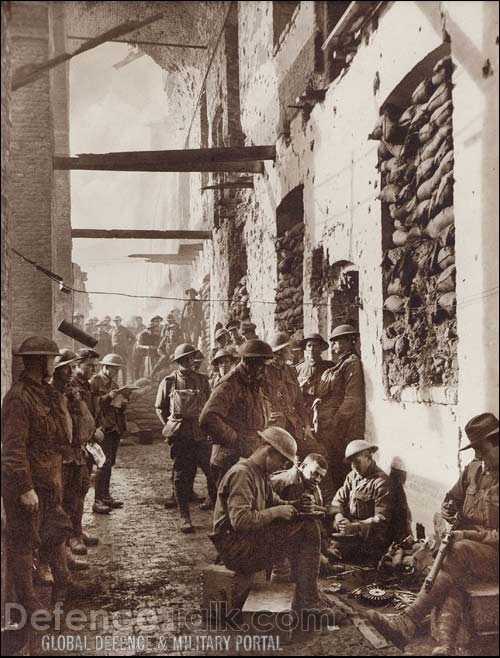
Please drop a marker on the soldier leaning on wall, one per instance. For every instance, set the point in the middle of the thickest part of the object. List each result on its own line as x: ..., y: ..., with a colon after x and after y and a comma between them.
x: 34, y: 432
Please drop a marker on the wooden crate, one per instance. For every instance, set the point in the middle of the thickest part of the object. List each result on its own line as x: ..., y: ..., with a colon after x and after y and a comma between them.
x: 223, y: 590
x: 483, y: 608
x: 267, y: 610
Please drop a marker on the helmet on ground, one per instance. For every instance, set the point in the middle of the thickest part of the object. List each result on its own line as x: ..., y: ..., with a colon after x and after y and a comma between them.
x: 279, y: 340
x: 354, y: 447
x: 280, y: 440
x: 66, y: 358
x: 38, y: 346
x: 183, y: 350
x: 256, y: 349
x: 318, y: 338
x: 343, y: 330
x: 113, y: 360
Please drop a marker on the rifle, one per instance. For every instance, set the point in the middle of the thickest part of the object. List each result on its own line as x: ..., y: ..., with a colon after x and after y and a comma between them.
x: 444, y: 548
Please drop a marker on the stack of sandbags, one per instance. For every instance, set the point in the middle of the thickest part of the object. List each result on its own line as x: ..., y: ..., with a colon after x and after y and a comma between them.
x: 416, y: 161
x: 239, y: 308
x: 205, y: 326
x: 289, y: 291
x: 140, y: 413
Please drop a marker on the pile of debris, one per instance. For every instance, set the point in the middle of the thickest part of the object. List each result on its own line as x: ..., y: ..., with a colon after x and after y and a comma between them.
x: 239, y: 308
x: 289, y: 291
x: 416, y: 160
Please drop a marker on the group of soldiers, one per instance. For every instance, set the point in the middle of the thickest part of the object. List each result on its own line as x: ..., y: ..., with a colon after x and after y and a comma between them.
x: 279, y: 434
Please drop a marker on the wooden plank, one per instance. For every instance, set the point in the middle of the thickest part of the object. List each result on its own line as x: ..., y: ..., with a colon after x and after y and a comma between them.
x: 139, y: 42
x: 270, y: 604
x: 369, y: 632
x: 140, y: 234
x: 166, y: 259
x: 230, y: 186
x: 247, y: 159
x: 31, y: 72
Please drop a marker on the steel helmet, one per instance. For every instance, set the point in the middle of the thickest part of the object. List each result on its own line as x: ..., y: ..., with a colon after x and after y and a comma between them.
x: 66, y: 358
x: 281, y: 441
x: 117, y: 318
x: 247, y: 326
x: 233, y: 324
x: 38, y: 346
x: 185, y: 349
x: 221, y: 332
x: 279, y: 340
x: 343, y: 330
x: 316, y: 337
x: 358, y: 446
x: 256, y: 349
x: 221, y: 354
x: 113, y: 360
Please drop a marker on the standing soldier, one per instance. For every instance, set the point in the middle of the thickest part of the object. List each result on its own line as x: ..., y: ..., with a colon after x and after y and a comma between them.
x: 104, y: 345
x: 236, y: 411
x: 146, y: 350
x: 123, y: 341
x: 180, y: 399
x: 222, y: 340
x: 222, y: 364
x: 192, y: 317
x: 112, y: 423
x: 166, y: 348
x: 90, y: 328
x: 139, y: 325
x: 234, y: 331
x: 247, y: 330
x: 34, y: 432
x: 285, y: 398
x: 340, y: 407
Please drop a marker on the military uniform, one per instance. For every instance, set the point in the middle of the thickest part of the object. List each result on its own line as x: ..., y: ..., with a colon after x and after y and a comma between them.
x: 112, y: 422
x: 189, y: 447
x: 366, y: 500
x: 104, y: 344
x: 191, y: 319
x: 34, y: 434
x: 341, y: 414
x: 233, y: 415
x: 248, y: 537
x: 146, y: 345
x: 122, y: 341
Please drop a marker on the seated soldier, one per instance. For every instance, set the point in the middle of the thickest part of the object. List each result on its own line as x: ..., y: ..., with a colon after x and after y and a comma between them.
x: 293, y: 483
x: 472, y: 507
x: 254, y: 528
x: 362, y: 507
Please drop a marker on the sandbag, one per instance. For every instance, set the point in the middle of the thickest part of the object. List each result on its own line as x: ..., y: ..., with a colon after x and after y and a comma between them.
x: 432, y: 147
x: 442, y: 71
x: 405, y: 194
x: 442, y: 113
x: 446, y: 163
x: 448, y: 302
x: 389, y: 194
x: 446, y: 280
x: 440, y: 222
x: 439, y: 97
x: 443, y: 196
x: 425, y: 170
x: 398, y: 172
x: 422, y: 211
x: 395, y: 287
x: 397, y: 212
x: 394, y: 303
x: 399, y: 238
x: 426, y: 132
x: 388, y: 165
x: 419, y: 118
x: 423, y: 92
x: 415, y: 233
x: 406, y: 118
x: 445, y: 257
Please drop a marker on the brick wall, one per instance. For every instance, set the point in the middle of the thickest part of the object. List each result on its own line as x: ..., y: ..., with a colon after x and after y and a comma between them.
x: 6, y: 133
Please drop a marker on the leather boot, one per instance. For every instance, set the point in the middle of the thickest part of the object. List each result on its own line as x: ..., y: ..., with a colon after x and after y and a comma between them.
x: 448, y: 625
x: 89, y: 540
x: 170, y: 502
x: 398, y: 628
x: 77, y: 546
x: 186, y: 526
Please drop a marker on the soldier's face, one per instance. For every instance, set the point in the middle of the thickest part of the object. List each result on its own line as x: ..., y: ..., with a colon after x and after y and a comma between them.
x: 312, y: 471
x: 88, y: 368
x: 275, y: 461
x: 66, y: 372
x: 111, y: 371
x: 341, y: 345
x: 48, y: 365
x: 225, y: 364
x: 488, y: 453
x: 286, y: 353
x: 313, y: 350
x: 187, y: 362
x: 256, y: 368
x: 362, y: 462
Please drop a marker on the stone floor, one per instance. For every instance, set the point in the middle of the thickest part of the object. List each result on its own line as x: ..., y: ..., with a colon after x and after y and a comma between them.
x: 148, y: 570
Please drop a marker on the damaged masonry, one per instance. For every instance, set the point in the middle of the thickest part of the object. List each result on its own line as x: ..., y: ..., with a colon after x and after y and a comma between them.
x: 250, y: 327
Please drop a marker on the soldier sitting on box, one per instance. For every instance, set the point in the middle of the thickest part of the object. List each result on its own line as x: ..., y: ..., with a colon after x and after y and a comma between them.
x: 254, y: 528
x: 473, y: 553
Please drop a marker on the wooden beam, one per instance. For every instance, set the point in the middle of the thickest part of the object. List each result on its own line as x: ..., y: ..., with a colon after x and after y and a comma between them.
x: 191, y: 248
x: 140, y: 234
x: 31, y: 72
x: 232, y: 185
x: 246, y: 159
x: 166, y: 259
x: 145, y: 43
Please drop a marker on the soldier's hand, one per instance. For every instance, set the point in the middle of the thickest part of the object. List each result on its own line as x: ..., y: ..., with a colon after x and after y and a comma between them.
x: 113, y: 394
x: 457, y: 535
x: 29, y: 500
x: 306, y: 504
x: 285, y: 512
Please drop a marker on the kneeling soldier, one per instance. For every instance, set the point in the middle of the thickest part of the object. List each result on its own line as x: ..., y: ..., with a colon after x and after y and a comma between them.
x: 473, y: 553
x: 254, y: 528
x: 362, y: 507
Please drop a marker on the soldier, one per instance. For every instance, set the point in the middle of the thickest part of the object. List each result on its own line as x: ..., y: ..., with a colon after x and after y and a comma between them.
x: 254, y: 528
x: 340, y: 403
x: 78, y: 321
x: 310, y: 370
x: 139, y: 325
x: 236, y: 410
x: 146, y: 350
x: 233, y: 327
x: 166, y: 348
x: 472, y: 507
x: 34, y: 433
x: 180, y: 398
x: 82, y: 427
x: 362, y: 508
x: 111, y: 420
x: 104, y: 345
x: 123, y: 341
x: 222, y: 340
x: 90, y: 328
x: 247, y: 330
x: 192, y: 317
x: 285, y: 398
x: 222, y: 364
